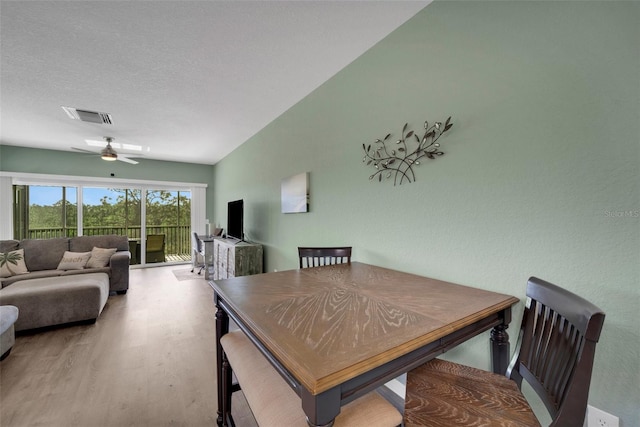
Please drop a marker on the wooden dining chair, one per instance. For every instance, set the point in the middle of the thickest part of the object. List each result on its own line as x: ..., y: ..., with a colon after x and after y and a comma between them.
x: 554, y: 354
x: 315, y: 257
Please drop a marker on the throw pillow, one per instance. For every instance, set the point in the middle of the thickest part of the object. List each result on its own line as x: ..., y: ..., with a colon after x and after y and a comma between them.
x: 12, y: 263
x: 74, y: 260
x: 100, y: 257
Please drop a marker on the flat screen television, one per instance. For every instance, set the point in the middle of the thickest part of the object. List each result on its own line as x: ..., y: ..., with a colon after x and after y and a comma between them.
x: 235, y: 216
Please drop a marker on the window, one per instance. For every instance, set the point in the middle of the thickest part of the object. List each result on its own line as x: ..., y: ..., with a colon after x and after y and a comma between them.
x: 111, y: 211
x: 46, y: 211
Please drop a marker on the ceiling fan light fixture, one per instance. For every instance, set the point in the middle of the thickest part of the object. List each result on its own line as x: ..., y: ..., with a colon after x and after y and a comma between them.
x: 108, y: 156
x: 108, y: 153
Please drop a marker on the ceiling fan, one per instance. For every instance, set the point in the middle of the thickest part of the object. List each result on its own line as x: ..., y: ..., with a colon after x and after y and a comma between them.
x: 108, y: 153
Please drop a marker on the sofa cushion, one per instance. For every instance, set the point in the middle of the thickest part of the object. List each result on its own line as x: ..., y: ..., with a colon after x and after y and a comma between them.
x: 8, y: 316
x: 86, y: 271
x: 56, y: 300
x: 100, y: 257
x: 74, y: 260
x: 6, y: 281
x: 87, y: 243
x: 8, y: 245
x: 44, y: 254
x: 12, y: 263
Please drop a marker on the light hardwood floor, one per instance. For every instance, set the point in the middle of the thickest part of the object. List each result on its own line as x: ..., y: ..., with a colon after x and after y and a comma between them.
x: 148, y: 361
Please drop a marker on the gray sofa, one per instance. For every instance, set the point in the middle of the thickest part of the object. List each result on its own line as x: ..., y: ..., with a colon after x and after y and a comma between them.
x: 47, y: 296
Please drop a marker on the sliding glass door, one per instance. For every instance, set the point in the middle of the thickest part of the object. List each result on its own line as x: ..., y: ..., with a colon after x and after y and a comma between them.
x: 113, y: 211
x: 158, y: 230
x: 168, y: 226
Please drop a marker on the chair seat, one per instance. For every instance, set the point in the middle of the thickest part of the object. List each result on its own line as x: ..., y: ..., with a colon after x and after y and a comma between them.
x: 275, y: 404
x: 556, y: 347
x: 442, y: 393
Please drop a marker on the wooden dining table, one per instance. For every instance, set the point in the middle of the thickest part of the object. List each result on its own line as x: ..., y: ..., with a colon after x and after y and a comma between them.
x: 337, y: 332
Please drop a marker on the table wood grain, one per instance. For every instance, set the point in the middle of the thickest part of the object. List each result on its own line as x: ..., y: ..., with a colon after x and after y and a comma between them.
x: 327, y: 325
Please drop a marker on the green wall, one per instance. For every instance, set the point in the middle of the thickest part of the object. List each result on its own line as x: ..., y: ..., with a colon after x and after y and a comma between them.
x: 540, y: 175
x: 31, y: 160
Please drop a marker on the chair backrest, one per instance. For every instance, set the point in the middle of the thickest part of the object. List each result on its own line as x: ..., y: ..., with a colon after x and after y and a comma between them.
x: 315, y: 257
x: 556, y: 348
x: 197, y: 243
x: 155, y: 242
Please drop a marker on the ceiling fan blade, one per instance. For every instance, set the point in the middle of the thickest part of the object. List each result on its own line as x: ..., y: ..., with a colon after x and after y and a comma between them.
x: 84, y: 151
x: 110, y: 152
x: 126, y: 159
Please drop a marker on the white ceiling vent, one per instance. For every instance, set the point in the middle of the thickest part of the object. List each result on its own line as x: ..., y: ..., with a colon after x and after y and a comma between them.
x: 88, y: 116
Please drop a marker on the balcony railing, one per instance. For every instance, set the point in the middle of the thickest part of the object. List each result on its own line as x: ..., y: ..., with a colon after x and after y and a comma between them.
x: 177, y: 237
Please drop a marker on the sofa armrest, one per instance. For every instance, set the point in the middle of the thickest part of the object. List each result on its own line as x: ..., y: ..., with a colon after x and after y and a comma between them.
x: 119, y: 264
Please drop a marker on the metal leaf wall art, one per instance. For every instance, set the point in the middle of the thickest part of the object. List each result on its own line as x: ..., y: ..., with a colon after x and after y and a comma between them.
x: 398, y: 160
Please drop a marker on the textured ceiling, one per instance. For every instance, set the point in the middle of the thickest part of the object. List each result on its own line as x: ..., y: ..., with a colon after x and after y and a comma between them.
x: 192, y: 80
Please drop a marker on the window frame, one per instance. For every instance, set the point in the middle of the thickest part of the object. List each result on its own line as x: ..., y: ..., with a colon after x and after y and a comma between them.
x: 9, y: 179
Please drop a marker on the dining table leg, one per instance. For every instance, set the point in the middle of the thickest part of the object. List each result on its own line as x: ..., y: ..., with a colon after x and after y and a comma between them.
x: 222, y: 327
x: 500, y: 344
x: 322, y: 409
